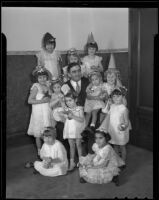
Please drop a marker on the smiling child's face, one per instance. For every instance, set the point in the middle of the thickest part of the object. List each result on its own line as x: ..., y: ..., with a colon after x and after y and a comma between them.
x: 91, y: 51
x: 100, y: 140
x: 95, y: 80
x: 70, y: 102
x: 42, y: 79
x: 111, y: 78
x: 49, y: 47
x: 57, y: 88
x: 117, y: 99
x: 49, y: 140
x: 73, y: 59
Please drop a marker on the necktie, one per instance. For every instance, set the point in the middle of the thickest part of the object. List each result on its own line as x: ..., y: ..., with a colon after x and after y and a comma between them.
x: 77, y: 88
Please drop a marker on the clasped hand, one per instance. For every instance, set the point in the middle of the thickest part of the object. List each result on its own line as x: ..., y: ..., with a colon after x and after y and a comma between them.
x: 47, y: 162
x: 122, y: 127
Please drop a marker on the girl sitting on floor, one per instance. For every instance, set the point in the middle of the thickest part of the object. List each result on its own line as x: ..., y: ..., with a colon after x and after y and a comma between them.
x: 103, y: 165
x: 53, y: 154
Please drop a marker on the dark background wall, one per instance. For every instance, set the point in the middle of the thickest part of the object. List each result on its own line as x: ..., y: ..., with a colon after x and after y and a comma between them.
x: 19, y: 68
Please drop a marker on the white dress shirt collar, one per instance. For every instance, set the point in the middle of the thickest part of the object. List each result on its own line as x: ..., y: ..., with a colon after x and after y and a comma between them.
x: 74, y: 83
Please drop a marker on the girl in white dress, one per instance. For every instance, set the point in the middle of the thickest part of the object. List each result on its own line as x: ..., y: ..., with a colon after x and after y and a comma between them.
x: 119, y: 123
x: 91, y: 61
x: 39, y: 99
x: 101, y: 166
x: 95, y: 90
x: 53, y: 154
x: 57, y: 100
x: 49, y: 57
x: 73, y: 127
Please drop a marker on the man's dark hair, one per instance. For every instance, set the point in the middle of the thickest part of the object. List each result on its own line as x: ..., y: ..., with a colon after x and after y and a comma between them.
x: 72, y: 65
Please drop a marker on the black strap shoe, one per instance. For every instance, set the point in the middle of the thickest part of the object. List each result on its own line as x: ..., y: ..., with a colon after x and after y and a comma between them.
x: 29, y: 164
x: 82, y: 180
x: 116, y: 180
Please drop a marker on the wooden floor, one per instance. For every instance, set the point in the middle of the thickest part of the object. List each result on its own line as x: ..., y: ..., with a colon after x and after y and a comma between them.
x: 135, y: 181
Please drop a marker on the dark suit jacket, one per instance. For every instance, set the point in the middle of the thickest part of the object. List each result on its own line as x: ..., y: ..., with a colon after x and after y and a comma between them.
x: 81, y: 97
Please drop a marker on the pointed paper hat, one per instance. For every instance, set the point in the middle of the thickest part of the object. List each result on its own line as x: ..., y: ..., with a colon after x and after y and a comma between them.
x: 91, y: 42
x: 112, y: 68
x: 112, y: 64
x: 90, y: 38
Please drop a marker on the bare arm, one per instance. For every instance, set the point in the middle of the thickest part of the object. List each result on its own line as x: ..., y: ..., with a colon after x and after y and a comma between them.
x: 101, y: 66
x: 89, y: 96
x: 53, y: 101
x: 103, y: 160
x: 40, y: 60
x: 77, y: 118
x: 32, y: 97
x: 123, y: 126
x: 126, y: 118
x: 102, y: 96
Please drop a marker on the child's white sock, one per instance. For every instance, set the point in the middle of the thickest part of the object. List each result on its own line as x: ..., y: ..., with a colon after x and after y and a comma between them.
x: 72, y: 164
x: 92, y: 124
x: 38, y: 152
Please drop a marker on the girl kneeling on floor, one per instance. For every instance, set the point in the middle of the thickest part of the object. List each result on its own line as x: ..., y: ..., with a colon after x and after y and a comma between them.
x: 101, y: 166
x: 53, y: 154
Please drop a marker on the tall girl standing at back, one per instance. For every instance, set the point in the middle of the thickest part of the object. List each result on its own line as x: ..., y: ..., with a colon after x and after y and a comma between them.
x: 92, y: 62
x: 74, y: 125
x: 48, y: 56
x: 39, y: 99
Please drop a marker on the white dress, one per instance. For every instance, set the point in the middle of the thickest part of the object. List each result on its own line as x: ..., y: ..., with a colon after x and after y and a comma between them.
x: 72, y: 127
x: 109, y: 89
x: 57, y: 107
x: 57, y: 150
x: 91, y: 105
x: 107, y: 164
x: 88, y: 62
x: 40, y: 116
x: 49, y: 61
x: 116, y: 113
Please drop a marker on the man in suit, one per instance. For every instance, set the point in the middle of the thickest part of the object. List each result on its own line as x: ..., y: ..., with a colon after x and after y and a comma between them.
x: 77, y: 84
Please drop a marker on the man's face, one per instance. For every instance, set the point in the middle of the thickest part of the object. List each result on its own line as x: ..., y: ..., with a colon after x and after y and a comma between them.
x: 75, y: 73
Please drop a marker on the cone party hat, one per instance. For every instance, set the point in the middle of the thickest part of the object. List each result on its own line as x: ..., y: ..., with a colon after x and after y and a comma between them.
x: 90, y: 38
x: 112, y: 64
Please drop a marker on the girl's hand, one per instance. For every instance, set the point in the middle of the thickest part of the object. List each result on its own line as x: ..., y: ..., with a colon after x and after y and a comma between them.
x: 70, y: 115
x: 48, y: 83
x: 85, y: 74
x: 88, y: 166
x: 94, y: 68
x: 61, y: 98
x: 45, y: 99
x: 47, y: 159
x: 122, y: 127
